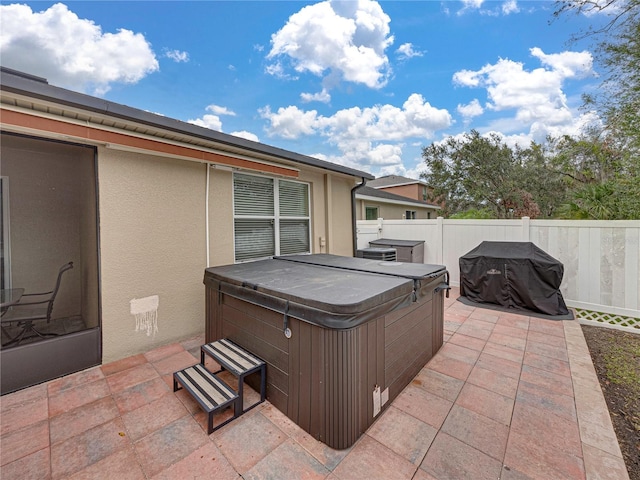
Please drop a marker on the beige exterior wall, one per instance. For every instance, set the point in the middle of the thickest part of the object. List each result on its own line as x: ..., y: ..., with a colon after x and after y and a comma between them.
x: 153, y: 239
x: 152, y: 235
x: 393, y: 212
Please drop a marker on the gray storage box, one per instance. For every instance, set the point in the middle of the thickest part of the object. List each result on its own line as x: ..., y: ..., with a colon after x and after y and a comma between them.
x: 373, y: 253
x: 354, y: 324
x: 406, y: 250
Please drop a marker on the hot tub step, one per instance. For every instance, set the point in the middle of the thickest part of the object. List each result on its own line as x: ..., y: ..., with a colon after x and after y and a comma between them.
x: 239, y: 362
x: 211, y: 392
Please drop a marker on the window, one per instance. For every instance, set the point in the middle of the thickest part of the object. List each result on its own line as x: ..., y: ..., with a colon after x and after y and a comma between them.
x: 410, y: 214
x: 424, y: 194
x: 271, y: 217
x: 371, y: 213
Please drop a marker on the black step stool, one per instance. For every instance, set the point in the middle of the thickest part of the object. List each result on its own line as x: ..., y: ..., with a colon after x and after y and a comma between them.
x: 239, y: 362
x: 209, y: 391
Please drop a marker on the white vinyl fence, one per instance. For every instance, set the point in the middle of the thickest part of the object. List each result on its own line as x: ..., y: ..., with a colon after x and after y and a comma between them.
x: 601, y: 258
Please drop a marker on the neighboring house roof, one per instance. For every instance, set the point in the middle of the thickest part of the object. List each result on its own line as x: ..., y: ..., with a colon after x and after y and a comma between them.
x: 80, y: 107
x: 393, y: 181
x: 369, y: 193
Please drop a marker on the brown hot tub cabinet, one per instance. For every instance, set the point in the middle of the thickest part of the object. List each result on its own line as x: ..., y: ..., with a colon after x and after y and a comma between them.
x: 341, y: 336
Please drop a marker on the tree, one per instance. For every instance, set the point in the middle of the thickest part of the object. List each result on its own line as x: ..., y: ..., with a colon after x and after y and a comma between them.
x: 606, y: 163
x: 483, y: 174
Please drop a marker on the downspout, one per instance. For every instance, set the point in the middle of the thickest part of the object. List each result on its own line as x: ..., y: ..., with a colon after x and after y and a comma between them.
x: 353, y: 214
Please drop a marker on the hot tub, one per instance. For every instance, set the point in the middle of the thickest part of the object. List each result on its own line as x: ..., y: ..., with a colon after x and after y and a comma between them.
x: 341, y: 336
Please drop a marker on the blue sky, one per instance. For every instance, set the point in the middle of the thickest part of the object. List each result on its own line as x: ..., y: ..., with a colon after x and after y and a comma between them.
x: 361, y: 83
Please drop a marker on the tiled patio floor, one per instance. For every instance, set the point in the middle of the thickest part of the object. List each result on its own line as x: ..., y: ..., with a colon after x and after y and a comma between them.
x: 508, y: 396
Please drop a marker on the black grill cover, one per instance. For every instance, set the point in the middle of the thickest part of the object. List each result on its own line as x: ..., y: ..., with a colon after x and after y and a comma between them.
x: 516, y: 275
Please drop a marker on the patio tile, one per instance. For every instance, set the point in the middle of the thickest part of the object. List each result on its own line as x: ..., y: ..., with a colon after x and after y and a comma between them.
x: 74, y: 380
x: 173, y: 363
x: 124, y: 364
x: 477, y: 328
x: 511, y: 353
x: 467, y: 342
x: 438, y: 384
x: 541, y: 461
x: 132, y: 376
x: 35, y: 466
x: 591, y: 406
x: 288, y: 460
x: 163, y: 352
x: 604, y: 466
x: 122, y: 465
x: 449, y: 458
x: 404, y: 434
x: 247, y: 440
x: 548, y: 327
x: 487, y: 403
x: 372, y: 460
x: 76, y: 397
x: 23, y: 442
x: 509, y: 473
x: 484, y: 315
x: 421, y: 475
x: 450, y: 366
x: 546, y: 430
x: 516, y: 343
x: 499, y: 365
x: 560, y: 367
x: 153, y: 416
x: 327, y: 456
x: 21, y: 397
x: 142, y: 394
x: 510, y: 331
x: 424, y: 406
x: 514, y: 321
x: 551, y: 381
x: 81, y: 419
x: 531, y: 395
x: 492, y: 381
x: 457, y: 352
x: 205, y: 462
x: 477, y: 431
x: 24, y: 414
x: 542, y: 337
x: 599, y: 436
x: 80, y: 451
x: 170, y: 444
x: 542, y: 349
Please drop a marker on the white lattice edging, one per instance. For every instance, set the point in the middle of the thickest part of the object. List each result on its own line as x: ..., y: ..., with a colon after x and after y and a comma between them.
x: 609, y: 320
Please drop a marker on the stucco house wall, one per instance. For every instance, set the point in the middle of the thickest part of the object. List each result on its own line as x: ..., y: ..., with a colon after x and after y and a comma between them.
x: 165, y: 193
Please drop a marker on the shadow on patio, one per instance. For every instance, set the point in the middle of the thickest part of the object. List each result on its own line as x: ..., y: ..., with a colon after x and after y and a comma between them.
x: 508, y: 396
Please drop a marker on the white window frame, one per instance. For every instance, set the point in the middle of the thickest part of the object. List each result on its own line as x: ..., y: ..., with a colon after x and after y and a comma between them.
x: 276, y: 217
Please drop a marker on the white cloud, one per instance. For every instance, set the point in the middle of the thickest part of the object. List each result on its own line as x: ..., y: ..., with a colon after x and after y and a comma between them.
x: 470, y: 110
x: 177, y: 56
x: 212, y: 122
x: 218, y: 110
x: 290, y: 122
x: 364, y: 136
x: 535, y: 96
x: 322, y: 96
x: 246, y: 135
x: 509, y: 7
x: 72, y: 52
x: 406, y: 50
x: 344, y: 37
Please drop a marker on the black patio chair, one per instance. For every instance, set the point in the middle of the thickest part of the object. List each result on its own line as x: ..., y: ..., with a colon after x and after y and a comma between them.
x: 33, y: 307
